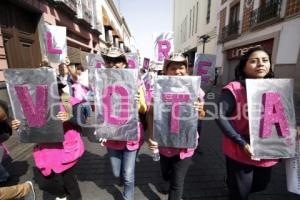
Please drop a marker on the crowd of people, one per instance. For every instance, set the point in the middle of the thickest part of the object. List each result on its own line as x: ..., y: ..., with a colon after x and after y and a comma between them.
x: 243, y: 177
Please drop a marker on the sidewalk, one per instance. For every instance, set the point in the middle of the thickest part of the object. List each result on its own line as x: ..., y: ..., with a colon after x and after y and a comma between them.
x: 204, y: 179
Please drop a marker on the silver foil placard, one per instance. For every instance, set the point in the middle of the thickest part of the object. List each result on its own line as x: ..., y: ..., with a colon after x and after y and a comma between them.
x: 35, y: 102
x: 292, y: 170
x: 204, y: 66
x: 116, y: 107
x: 271, y: 113
x: 175, y: 118
x: 132, y: 60
x: 53, y: 41
x: 90, y: 60
x: 163, y: 46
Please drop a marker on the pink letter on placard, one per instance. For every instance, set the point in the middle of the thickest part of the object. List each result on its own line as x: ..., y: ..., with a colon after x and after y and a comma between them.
x: 35, y: 114
x: 202, y: 71
x: 164, y: 48
x: 273, y: 114
x: 50, y: 47
x: 107, y: 101
x: 175, y: 99
x: 131, y: 64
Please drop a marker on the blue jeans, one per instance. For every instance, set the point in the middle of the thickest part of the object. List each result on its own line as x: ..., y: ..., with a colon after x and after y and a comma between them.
x: 123, y: 164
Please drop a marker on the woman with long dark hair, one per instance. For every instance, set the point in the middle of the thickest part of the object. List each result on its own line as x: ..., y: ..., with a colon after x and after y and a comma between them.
x: 244, y: 175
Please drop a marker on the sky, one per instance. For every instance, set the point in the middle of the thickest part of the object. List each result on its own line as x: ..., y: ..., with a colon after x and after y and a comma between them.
x: 144, y: 17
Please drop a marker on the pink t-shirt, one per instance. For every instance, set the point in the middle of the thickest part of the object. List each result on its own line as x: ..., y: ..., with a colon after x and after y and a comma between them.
x: 241, y: 125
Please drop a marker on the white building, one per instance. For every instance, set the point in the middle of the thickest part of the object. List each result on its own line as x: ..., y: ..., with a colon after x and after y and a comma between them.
x: 273, y: 24
x: 193, y: 20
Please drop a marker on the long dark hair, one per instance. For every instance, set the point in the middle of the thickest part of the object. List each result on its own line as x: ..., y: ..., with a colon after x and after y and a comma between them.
x: 239, y: 69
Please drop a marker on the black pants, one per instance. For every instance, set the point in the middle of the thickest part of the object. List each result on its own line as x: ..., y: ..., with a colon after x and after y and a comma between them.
x: 62, y: 184
x: 174, y: 170
x: 243, y: 179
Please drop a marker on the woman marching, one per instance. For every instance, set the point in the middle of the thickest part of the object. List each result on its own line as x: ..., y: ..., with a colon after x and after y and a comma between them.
x: 174, y: 162
x: 56, y: 161
x: 244, y: 175
x: 123, y: 153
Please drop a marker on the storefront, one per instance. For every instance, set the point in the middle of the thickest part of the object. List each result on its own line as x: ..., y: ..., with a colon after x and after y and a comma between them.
x: 233, y: 56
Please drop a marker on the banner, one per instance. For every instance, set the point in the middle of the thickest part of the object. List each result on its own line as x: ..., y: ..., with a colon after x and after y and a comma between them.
x: 204, y: 66
x: 35, y: 102
x: 271, y: 115
x: 132, y: 60
x: 116, y: 107
x: 163, y: 46
x: 53, y: 41
x: 175, y: 118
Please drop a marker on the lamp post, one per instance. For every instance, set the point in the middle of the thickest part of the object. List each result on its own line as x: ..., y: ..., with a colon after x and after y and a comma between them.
x: 204, y: 38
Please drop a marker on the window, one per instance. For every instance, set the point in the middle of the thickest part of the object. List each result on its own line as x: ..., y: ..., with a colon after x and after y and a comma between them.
x: 193, y: 20
x: 208, y: 11
x: 190, y: 22
x: 197, y: 8
x: 234, y: 14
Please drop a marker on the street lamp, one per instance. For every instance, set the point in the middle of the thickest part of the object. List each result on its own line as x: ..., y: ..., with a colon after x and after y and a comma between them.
x: 204, y: 38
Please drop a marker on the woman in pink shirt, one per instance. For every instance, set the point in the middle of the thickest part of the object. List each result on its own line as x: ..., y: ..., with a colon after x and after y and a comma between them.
x: 174, y: 162
x: 244, y: 175
x: 56, y: 160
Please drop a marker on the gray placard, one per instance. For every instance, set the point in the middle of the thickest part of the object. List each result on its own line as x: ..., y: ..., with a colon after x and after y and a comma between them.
x: 116, y: 78
x: 52, y: 130
x: 180, y: 88
x: 275, y: 145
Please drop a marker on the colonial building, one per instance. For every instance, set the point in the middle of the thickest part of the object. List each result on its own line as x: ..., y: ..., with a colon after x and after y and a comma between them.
x: 272, y: 24
x: 194, y: 25
x: 92, y: 26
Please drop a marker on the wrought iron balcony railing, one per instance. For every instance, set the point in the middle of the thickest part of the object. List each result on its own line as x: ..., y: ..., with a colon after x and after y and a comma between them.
x: 230, y: 32
x: 266, y: 12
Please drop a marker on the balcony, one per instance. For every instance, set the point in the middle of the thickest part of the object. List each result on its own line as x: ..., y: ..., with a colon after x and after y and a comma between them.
x: 230, y: 32
x: 69, y: 6
x: 84, y: 12
x: 267, y: 13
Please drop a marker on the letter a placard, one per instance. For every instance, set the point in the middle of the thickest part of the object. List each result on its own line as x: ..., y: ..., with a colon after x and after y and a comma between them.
x: 35, y: 102
x: 272, y: 122
x: 116, y: 107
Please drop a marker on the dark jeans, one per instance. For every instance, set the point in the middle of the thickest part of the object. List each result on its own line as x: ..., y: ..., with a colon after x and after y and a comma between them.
x: 174, y: 170
x: 243, y: 179
x: 67, y: 182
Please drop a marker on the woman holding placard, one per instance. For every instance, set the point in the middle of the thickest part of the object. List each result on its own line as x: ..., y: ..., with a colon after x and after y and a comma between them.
x: 244, y: 175
x: 174, y: 162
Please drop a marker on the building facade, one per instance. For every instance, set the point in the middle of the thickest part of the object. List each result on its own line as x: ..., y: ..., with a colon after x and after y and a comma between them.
x: 272, y: 24
x: 92, y: 26
x: 194, y: 26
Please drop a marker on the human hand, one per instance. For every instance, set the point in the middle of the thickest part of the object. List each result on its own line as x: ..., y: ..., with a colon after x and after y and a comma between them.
x: 102, y: 141
x: 15, y: 124
x: 63, y: 116
x: 248, y: 150
x: 199, y: 106
x: 152, y: 144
